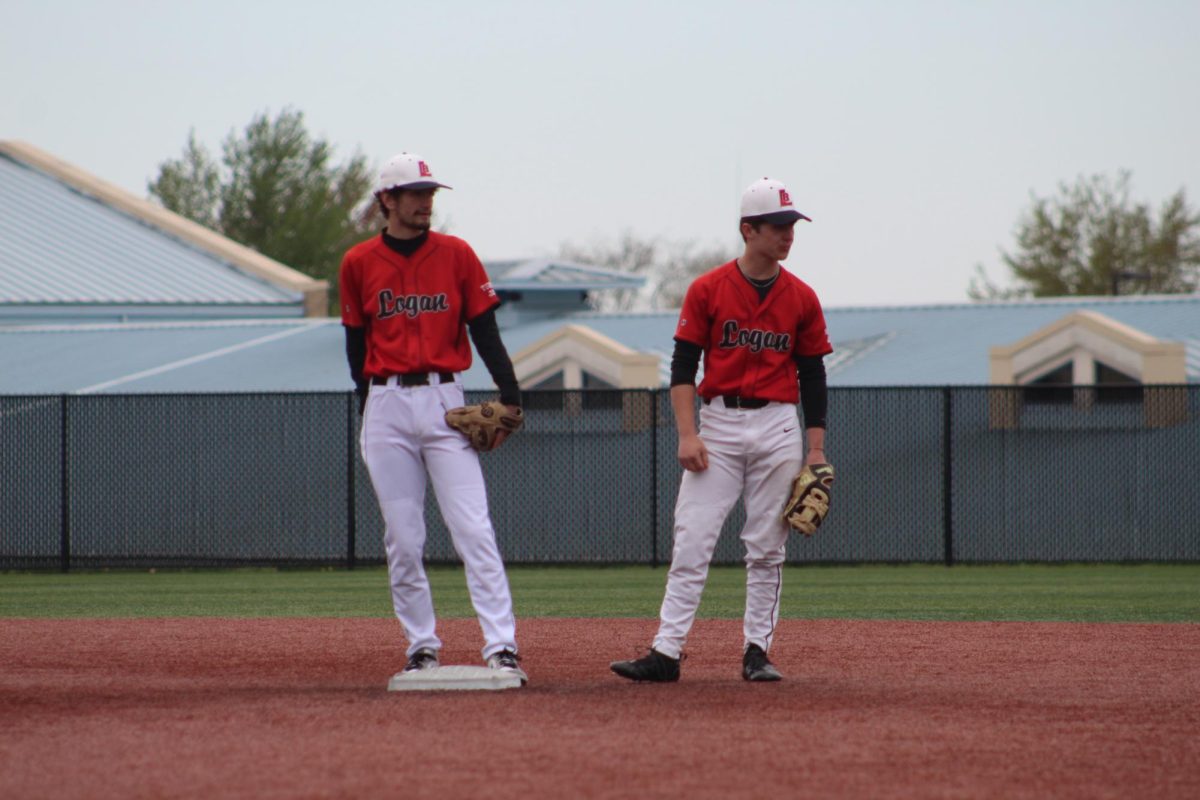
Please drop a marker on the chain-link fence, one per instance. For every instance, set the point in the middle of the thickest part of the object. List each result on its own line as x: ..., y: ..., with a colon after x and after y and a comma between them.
x: 954, y: 474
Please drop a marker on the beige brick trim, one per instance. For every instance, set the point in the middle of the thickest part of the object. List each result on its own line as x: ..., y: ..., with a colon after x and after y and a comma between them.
x: 573, y: 349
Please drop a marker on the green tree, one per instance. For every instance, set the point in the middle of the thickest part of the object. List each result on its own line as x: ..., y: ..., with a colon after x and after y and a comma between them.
x: 276, y: 190
x: 191, y: 185
x: 1092, y: 239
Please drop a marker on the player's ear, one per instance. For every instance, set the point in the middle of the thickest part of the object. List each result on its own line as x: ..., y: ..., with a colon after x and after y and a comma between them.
x: 389, y: 199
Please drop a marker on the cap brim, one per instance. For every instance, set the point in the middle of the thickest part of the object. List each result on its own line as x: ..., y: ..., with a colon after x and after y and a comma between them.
x: 416, y: 186
x: 780, y: 217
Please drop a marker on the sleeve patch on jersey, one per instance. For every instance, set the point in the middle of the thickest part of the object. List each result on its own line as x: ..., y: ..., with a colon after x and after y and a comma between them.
x: 487, y: 289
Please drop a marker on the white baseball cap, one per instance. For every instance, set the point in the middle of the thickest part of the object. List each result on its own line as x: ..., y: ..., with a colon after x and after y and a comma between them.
x: 407, y: 171
x: 768, y: 201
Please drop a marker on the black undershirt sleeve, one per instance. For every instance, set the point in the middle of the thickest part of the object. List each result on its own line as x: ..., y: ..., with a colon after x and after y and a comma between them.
x: 356, y: 356
x: 814, y: 394
x: 485, y: 334
x: 685, y: 362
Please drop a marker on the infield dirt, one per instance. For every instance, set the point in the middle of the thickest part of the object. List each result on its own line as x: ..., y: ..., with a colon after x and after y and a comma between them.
x: 274, y: 708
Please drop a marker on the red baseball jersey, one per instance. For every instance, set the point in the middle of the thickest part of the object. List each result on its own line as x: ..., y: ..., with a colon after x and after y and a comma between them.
x: 414, y: 308
x: 748, y: 345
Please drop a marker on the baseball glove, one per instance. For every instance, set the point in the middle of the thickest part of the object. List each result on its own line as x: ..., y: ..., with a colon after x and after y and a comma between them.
x: 481, y: 424
x: 808, y: 504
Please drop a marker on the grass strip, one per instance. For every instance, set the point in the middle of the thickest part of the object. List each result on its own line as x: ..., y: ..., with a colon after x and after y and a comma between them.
x: 1072, y: 593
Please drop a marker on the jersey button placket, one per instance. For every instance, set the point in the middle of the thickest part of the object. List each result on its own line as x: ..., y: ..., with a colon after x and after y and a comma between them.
x: 751, y: 367
x: 753, y: 359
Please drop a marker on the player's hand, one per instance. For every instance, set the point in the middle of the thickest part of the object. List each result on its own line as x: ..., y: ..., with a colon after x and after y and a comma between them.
x: 693, y: 455
x: 501, y: 435
x: 815, y: 456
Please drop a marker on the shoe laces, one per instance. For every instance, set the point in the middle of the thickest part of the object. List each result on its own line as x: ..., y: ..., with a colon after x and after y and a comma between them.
x: 419, y: 659
x: 507, y: 659
x: 755, y: 658
x: 653, y: 656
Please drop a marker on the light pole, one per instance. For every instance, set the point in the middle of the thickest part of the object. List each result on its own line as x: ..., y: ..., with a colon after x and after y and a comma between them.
x: 1127, y: 275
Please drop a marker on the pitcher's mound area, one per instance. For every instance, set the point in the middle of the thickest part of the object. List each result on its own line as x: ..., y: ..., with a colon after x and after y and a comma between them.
x: 286, y: 708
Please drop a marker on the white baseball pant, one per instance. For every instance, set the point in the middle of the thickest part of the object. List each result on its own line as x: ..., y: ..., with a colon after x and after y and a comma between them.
x: 404, y: 433
x: 752, y: 451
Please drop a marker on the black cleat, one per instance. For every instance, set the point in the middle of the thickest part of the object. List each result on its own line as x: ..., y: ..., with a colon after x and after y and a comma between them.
x: 508, y: 662
x: 757, y: 667
x: 654, y: 667
x: 422, y: 659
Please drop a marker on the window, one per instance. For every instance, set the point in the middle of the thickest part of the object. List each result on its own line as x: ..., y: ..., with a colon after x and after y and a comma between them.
x: 1057, y: 387
x: 1053, y: 388
x: 546, y: 395
x: 1114, y: 386
x: 596, y: 393
x: 600, y: 393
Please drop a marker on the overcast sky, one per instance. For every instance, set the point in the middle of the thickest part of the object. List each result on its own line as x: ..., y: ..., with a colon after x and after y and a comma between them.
x: 913, y: 133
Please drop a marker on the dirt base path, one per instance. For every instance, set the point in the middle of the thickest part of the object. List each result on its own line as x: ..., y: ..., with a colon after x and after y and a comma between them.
x: 286, y: 708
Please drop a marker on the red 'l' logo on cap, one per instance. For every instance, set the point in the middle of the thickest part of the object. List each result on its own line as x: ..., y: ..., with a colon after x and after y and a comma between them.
x: 784, y: 200
x: 425, y: 173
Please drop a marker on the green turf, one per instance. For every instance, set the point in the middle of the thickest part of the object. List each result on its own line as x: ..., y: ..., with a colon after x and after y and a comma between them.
x: 1085, y: 593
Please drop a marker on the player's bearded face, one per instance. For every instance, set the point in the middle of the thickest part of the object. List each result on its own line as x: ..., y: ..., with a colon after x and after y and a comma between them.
x: 412, y: 209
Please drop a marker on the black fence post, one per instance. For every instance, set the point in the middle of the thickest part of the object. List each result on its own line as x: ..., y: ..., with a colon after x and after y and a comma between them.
x: 654, y: 401
x: 65, y: 486
x: 947, y: 477
x: 351, y: 510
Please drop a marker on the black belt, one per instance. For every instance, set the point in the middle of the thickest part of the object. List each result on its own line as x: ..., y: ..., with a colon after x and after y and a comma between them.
x: 733, y: 401
x: 414, y: 378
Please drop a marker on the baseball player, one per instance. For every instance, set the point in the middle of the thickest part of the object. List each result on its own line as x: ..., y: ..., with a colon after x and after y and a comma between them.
x: 408, y: 298
x: 762, y: 334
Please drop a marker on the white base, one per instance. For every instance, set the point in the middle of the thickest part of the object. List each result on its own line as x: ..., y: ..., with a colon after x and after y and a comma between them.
x: 453, y: 679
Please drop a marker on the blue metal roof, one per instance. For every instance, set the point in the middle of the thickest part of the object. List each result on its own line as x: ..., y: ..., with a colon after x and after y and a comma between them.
x: 59, y: 246
x: 949, y: 344
x: 916, y: 345
x: 225, y: 356
x: 933, y: 345
x: 546, y: 274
